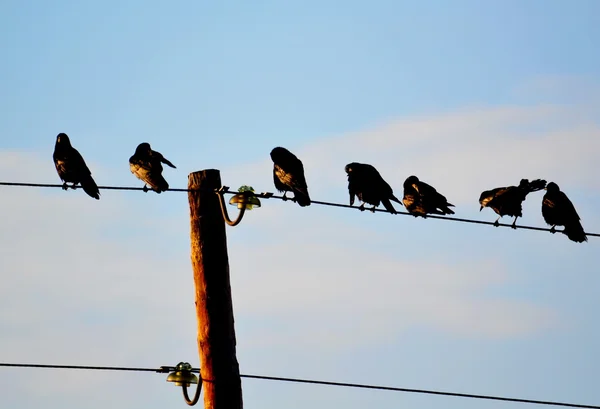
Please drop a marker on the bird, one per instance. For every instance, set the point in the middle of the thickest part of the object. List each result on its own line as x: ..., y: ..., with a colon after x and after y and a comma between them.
x: 421, y: 199
x: 507, y: 201
x: 365, y: 182
x: 558, y: 210
x: 72, y: 168
x: 288, y: 175
x: 146, y: 165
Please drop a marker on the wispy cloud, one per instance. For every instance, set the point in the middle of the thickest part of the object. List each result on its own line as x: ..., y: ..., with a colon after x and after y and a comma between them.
x: 461, y: 153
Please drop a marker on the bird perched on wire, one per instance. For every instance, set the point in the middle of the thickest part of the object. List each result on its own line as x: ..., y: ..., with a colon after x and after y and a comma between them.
x: 508, y: 201
x: 146, y: 165
x: 72, y: 168
x: 365, y: 182
x: 421, y: 199
x: 288, y: 175
x: 558, y: 210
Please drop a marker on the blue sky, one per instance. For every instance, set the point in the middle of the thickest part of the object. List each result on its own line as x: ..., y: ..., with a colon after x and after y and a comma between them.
x: 468, y: 95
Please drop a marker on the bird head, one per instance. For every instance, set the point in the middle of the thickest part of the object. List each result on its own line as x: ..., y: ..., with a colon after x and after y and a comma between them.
x: 280, y: 154
x: 484, y: 199
x: 143, y: 148
x: 552, y: 187
x: 349, y: 168
x: 63, y: 139
x: 410, y: 181
x: 524, y: 183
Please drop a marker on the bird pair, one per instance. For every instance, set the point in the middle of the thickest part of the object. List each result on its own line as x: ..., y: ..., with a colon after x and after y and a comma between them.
x: 557, y: 209
x: 364, y: 182
x: 420, y: 199
x: 145, y: 164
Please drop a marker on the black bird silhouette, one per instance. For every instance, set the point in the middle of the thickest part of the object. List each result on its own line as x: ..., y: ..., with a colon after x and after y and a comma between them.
x: 146, y: 165
x: 365, y: 182
x: 72, y: 168
x: 421, y: 199
x: 508, y: 201
x: 558, y: 210
x: 288, y: 175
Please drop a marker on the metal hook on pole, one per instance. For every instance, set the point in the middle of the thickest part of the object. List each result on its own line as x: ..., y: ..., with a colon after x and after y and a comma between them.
x: 245, y: 199
x: 183, y: 376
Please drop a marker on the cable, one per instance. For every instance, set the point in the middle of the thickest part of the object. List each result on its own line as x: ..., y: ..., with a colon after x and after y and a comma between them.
x: 93, y: 368
x: 79, y: 187
x: 267, y: 195
x: 166, y: 369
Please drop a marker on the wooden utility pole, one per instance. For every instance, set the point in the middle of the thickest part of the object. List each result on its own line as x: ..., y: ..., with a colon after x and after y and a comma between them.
x: 219, y: 368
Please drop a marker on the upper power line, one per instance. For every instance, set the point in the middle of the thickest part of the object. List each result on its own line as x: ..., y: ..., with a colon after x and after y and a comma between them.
x: 268, y: 195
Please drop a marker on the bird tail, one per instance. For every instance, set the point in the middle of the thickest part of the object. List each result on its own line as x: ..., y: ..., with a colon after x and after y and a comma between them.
x: 446, y: 209
x: 388, y: 205
x: 395, y: 199
x: 302, y: 197
x: 159, y: 184
x: 536, y: 185
x: 575, y: 232
x: 90, y: 187
x: 167, y: 162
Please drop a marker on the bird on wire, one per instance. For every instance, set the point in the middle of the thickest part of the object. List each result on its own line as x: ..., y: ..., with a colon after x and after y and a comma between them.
x: 558, y: 210
x: 288, y: 175
x: 365, y: 182
x: 71, y: 167
x: 421, y: 199
x: 146, y: 165
x: 508, y: 201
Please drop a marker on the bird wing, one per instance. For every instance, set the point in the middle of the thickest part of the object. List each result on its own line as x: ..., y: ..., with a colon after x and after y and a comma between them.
x: 564, y: 205
x: 374, y: 179
x: 164, y: 160
x: 490, y: 195
x: 291, y: 173
x: 278, y: 175
x: 79, y: 163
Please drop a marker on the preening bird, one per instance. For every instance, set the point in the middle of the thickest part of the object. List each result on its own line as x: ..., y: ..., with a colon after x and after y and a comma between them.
x: 146, y: 165
x: 365, y: 182
x: 288, y: 175
x: 421, y: 199
x: 558, y: 210
x: 72, y: 168
x: 507, y: 201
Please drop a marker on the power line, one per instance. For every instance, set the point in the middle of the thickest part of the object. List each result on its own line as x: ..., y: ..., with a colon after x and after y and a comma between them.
x: 268, y: 195
x: 167, y: 369
x: 22, y: 184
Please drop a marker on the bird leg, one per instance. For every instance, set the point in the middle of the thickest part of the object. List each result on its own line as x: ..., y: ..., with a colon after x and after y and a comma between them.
x: 553, y: 229
x: 514, y: 225
x: 373, y: 209
x: 145, y: 188
x: 496, y: 222
x: 284, y: 197
x: 362, y: 207
x: 65, y: 186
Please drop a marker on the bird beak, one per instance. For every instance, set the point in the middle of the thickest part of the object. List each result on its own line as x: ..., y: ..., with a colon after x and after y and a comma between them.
x: 481, y: 208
